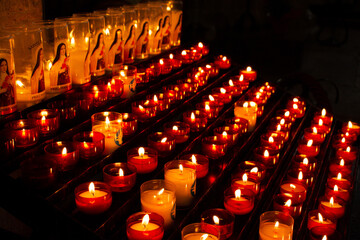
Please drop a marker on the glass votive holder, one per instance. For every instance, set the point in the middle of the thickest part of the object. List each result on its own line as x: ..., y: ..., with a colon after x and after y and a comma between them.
x: 189, y: 86
x: 205, y: 107
x: 287, y: 203
x: 175, y: 62
x: 239, y: 201
x: 91, y: 144
x: 165, y: 65
x: 144, y: 159
x: 240, y: 82
x: 158, y: 196
x: 186, y: 57
x: 100, y: 94
x: 200, y: 231
x: 317, y: 135
x: 332, y: 190
x: 222, y: 94
x: 276, y: 225
x: 319, y: 233
x: 213, y: 101
x: 222, y: 62
x: 24, y: 131
x: 127, y: 75
x: 268, y: 156
x: 115, y: 88
x: 213, y: 147
x: 325, y: 116
x: 201, y: 162
x: 179, y: 92
x: 297, y: 189
x: 308, y: 148
x: 272, y: 140
x: 144, y: 109
x: 249, y: 74
x: 145, y: 225
x: 348, y: 154
x: 182, y: 174
x: 230, y: 87
x: 222, y: 219
x: 245, y: 181
x: 161, y: 100
x: 211, y: 69
x: 225, y: 133
x: 120, y: 176
x: 203, y: 48
x: 344, y: 182
x: 65, y: 154
x: 333, y: 206
x: 247, y: 110
x: 130, y: 124
x: 351, y: 128
x: 285, y: 113
x: 303, y: 162
x: 196, y: 119
x: 154, y: 70
x: 93, y: 197
x: 339, y: 165
x: 47, y: 120
x: 253, y: 169
x: 68, y: 110
x: 163, y: 143
x: 179, y: 130
x: 316, y: 219
x: 238, y: 124
x: 8, y: 140
x: 299, y: 175
x: 84, y: 101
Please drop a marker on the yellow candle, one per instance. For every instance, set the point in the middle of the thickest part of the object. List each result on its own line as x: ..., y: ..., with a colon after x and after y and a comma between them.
x: 247, y: 110
x: 140, y: 227
x: 199, y: 236
x: 273, y: 231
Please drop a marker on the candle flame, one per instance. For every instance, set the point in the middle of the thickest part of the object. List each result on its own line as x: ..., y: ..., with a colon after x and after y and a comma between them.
x: 207, y: 107
x: 161, y: 61
x: 295, y: 100
x: 292, y: 186
x: 192, y: 117
x: 72, y: 41
x: 183, y: 53
x: 266, y: 153
x: 323, y: 112
x: 342, y: 162
x: 193, y: 159
x: 121, y: 172
x: 224, y: 134
x: 241, y: 78
x: 107, y: 121
x: 171, y: 56
x: 86, y: 145
x: 315, y: 130
x: 44, y: 113
x: 238, y: 194
x: 216, y: 220
x: 246, y: 104
x: 287, y: 114
x: 155, y: 98
x: 248, y: 69
x: 324, y: 237
x: 163, y: 140
x: 224, y: 58
x: 320, y: 217
x: 271, y: 139
x: 295, y: 106
x: 95, y: 88
x: 211, y: 98
x: 107, y: 31
x: 145, y: 220
x: 321, y: 122
x: 336, y: 188
x: 343, y: 140
x: 288, y: 203
x: 122, y: 73
x: 350, y: 125
x: 282, y: 121
x: 43, y: 118
x: 252, y: 104
x: 305, y: 161
x: 244, y: 178
x: 231, y: 83
x: 92, y: 188
x: 181, y: 168
x: 278, y: 128
x: 348, y: 149
x: 175, y: 128
x: 200, y: 45
x: 300, y: 177
x: 161, y: 191
x: 254, y: 170
x: 223, y: 90
x: 141, y: 151
x: 309, y: 143
x: 339, y: 176
x: 126, y: 116
x: 147, y: 102
x: 64, y: 151
x: 141, y: 108
x: 49, y: 65
x: 204, y: 236
x: 276, y: 224
x: 347, y: 134
x: 331, y: 201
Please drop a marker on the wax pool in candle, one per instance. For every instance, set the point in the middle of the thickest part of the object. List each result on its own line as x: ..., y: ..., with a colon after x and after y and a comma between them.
x: 249, y: 74
x: 274, y: 231
x: 298, y: 190
x: 331, y: 206
x: 64, y: 153
x: 316, y: 219
x: 245, y: 183
x: 145, y: 226
x: 199, y: 236
x: 239, y: 202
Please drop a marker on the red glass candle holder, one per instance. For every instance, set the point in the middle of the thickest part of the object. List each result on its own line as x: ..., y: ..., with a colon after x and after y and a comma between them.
x: 340, y: 141
x: 246, y: 181
x: 154, y: 70
x: 90, y: 144
x: 298, y: 101
x: 297, y: 189
x: 204, y: 49
x: 348, y: 153
x: 93, y: 198
x: 196, y: 119
x: 129, y: 124
x: 308, y: 148
x: 186, y: 57
x: 84, y: 101
x: 268, y: 156
x: 120, y: 176
x: 222, y: 62
x: 165, y: 65
x: 239, y: 205
x: 115, y: 87
x: 213, y: 147
x: 330, y: 208
x: 277, y: 136
x: 317, y: 135
x: 190, y: 86
x: 175, y: 62
x: 300, y: 175
x: 286, y: 203
x: 318, y: 233
x: 227, y: 134
x: 100, y: 96
x: 211, y: 69
x: 25, y: 132
x: 316, y: 219
x: 8, y: 140
x: 222, y: 219
x: 285, y: 113
x: 339, y: 165
x: 143, y: 76
x: 201, y: 162
x: 285, y: 125
x: 253, y: 169
x: 179, y: 92
x: 341, y: 181
x: 162, y: 142
x: 195, y: 54
x: 351, y: 127
x: 303, y: 162
x: 336, y: 192
x: 179, y: 130
x: 213, y: 102
x: 249, y: 74
x: 239, y: 81
x: 230, y: 87
x: 48, y: 121
x: 206, y: 108
x: 320, y: 126
x: 267, y: 140
x: 140, y: 226
x: 144, y: 159
x: 276, y: 131
x: 161, y: 101
x: 238, y: 124
x: 64, y: 153
x: 325, y: 116
x: 223, y: 95
x: 296, y: 107
x: 144, y: 109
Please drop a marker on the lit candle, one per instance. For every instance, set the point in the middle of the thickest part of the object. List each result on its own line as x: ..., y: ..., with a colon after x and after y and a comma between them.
x: 299, y: 175
x: 200, y: 231
x: 340, y: 181
x: 213, y: 147
x: 247, y: 110
x: 337, y: 192
x: 145, y: 160
x: 163, y: 143
x: 316, y: 219
x: 308, y: 148
x: 227, y: 134
x: 144, y: 109
x: 240, y: 125
x: 245, y: 182
x: 308, y: 164
x: 120, y: 176
x: 254, y: 170
x: 222, y: 62
x: 222, y: 219
x: 269, y: 157
x: 340, y: 166
x: 296, y: 189
x: 249, y: 74
x: 276, y: 225
x: 130, y: 124
x: 317, y: 135
x: 325, y: 116
x: 202, y: 48
x: 196, y: 119
x: 179, y: 130
x: 64, y: 153
x: 201, y: 162
x: 349, y: 153
x: 285, y: 203
x: 25, y: 131
x: 145, y: 226
x: 331, y: 207
x: 48, y: 121
x: 240, y: 201
x: 91, y: 144
x: 352, y: 128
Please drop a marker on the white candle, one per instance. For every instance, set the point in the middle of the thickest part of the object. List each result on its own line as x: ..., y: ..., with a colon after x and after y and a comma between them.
x: 185, y: 181
x: 113, y: 136
x: 140, y: 226
x: 162, y: 202
x: 199, y: 236
x: 273, y: 231
x: 247, y: 110
x: 79, y: 66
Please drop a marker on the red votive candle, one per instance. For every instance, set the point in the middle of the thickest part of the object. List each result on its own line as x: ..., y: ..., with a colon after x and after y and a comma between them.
x: 195, y: 54
x: 161, y: 101
x: 235, y: 90
x: 287, y: 203
x: 239, y: 81
x: 213, y: 101
x: 165, y: 66
x: 204, y: 49
x: 239, y: 202
x: 316, y: 219
x: 308, y: 148
x: 91, y: 144
x: 319, y: 233
x: 222, y: 62
x: 303, y: 162
x: 331, y: 207
x: 348, y: 153
x: 317, y: 135
x: 341, y: 141
x: 249, y: 74
x: 211, y: 69
x: 222, y: 219
x: 178, y: 90
x: 179, y: 130
x: 341, y: 181
x: 115, y: 87
x: 285, y: 113
x: 186, y: 57
x: 255, y: 170
x: 176, y: 63
x: 226, y: 134
x: 240, y: 125
x: 129, y: 124
x: 336, y: 192
x: 351, y: 127
x: 120, y: 176
x: 93, y: 197
x: 246, y: 181
x: 144, y: 109
x: 196, y: 119
x: 297, y: 189
x: 84, y: 101
x: 162, y: 142
x: 199, y: 77
x: 268, y: 156
x: 267, y: 140
x: 222, y: 94
x: 154, y: 70
x: 213, y: 147
x: 325, y: 116
x: 67, y: 109
x: 144, y: 159
x: 201, y: 162
x: 320, y: 126
x: 100, y: 96
x: 47, y: 120
x: 189, y: 88
x: 301, y: 176
x: 272, y: 129
x: 206, y: 108
x: 145, y: 225
x: 339, y: 165
x: 64, y: 153
x: 25, y: 132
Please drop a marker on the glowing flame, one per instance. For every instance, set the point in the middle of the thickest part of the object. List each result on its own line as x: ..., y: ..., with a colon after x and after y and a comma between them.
x: 295, y: 100
x: 223, y: 90
x: 126, y: 116
x: 324, y: 237
x: 246, y: 104
x: 122, y: 73
x: 252, y: 104
x: 216, y: 219
x: 295, y: 106
x: 266, y: 153
x: 241, y: 78
x: 141, y: 151
x: 49, y: 65
x: 342, y: 162
x: 121, y: 172
x: 192, y: 117
x: 245, y: 178
x: 323, y: 112
x: 43, y: 118
x: 161, y: 191
x: 321, y: 122
x: 254, y: 170
x: 343, y: 140
x: 309, y: 143
x: 211, y: 98
x: 171, y: 56
x: 175, y: 128
x: 161, y: 61
x: 224, y: 134
x: 72, y: 41
x: 147, y: 102
x: 163, y: 140
x: 287, y: 114
x: 331, y: 201
x: 141, y: 108
x: 95, y: 88
x: 278, y: 128
x: 238, y: 194
x: 204, y: 236
x: 350, y: 125
x: 64, y: 151
x: 224, y: 58
x: 193, y: 159
x: 276, y: 224
x: 86, y: 145
x: 320, y: 217
x: 248, y: 69
x: 181, y: 168
x: 282, y: 121
x: 348, y: 149
x: 336, y: 188
x: 288, y: 203
x: 183, y: 53
x: 207, y: 107
x: 339, y: 176
x: 300, y: 177
x: 107, y: 121
x: 271, y: 139
x: 292, y: 186
x: 200, y: 45
x: 92, y: 188
x: 315, y: 130
x: 231, y: 83
x: 145, y: 220
x: 306, y: 161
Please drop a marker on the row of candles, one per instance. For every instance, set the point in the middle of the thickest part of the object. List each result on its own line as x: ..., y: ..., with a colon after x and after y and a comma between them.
x: 322, y: 222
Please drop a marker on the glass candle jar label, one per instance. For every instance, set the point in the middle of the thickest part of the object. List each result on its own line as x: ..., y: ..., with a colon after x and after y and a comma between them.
x: 130, y: 33
x: 59, y: 69
x: 97, y: 57
x: 116, y: 51
x: 176, y: 19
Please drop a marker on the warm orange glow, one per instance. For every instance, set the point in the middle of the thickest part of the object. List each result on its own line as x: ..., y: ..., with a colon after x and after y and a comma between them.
x: 95, y: 88
x: 183, y: 53
x: 141, y: 108
x: 207, y: 107
x: 44, y: 113
x: 287, y: 114
x: 252, y: 104
x: 161, y: 61
x: 246, y: 104
x: 342, y: 162
x: 343, y: 140
x: 171, y: 56
x: 288, y: 203
x: 238, y: 194
x: 282, y: 121
x: 216, y: 219
x: 306, y: 161
x: 254, y: 170
x: 324, y: 237
x: 192, y: 117
x: 292, y: 186
x: 271, y: 139
x: 200, y: 45
x: 241, y: 78
x: 145, y: 220
x: 224, y: 58
x: 331, y: 201
x: 175, y: 128
x: 350, y: 125
x: 222, y: 90
x: 122, y: 73
x: 224, y: 134
x: 231, y: 83
x: 320, y: 217
x: 208, y: 66
x: 295, y: 100
x: 266, y: 153
x: 300, y: 177
x: 348, y: 149
x: 310, y: 143
x: 323, y: 112
x: 141, y: 151
x: 245, y: 178
x: 161, y: 191
x: 336, y: 188
x: 277, y: 224
x: 315, y: 130
x: 321, y: 122
x: 204, y: 236
x: 155, y: 99
x: 43, y: 118
x: 164, y: 140
x: 278, y: 128
x: 339, y: 176
x: 248, y: 69
x: 193, y: 159
x: 121, y: 172
x: 86, y: 145
x: 181, y: 168
x: 295, y: 106
x: 64, y: 151
x: 211, y: 98
x: 92, y: 188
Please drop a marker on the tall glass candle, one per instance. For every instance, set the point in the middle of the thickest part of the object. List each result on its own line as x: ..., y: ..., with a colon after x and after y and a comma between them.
x: 25, y: 132
x: 276, y: 225
x: 200, y: 231
x: 48, y: 121
x: 247, y: 110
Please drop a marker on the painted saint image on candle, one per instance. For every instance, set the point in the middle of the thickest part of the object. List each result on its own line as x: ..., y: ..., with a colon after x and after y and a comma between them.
x: 166, y: 32
x: 7, y: 83
x: 129, y: 53
x: 37, y: 77
x: 142, y: 42
x: 97, y: 59
x: 158, y: 37
x: 116, y: 49
x: 60, y: 69
x: 177, y: 31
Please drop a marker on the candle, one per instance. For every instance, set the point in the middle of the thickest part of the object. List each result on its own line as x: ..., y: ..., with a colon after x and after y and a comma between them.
x: 316, y: 219
x: 145, y: 160
x: 163, y: 143
x: 100, y: 96
x: 188, y: 85
x: 245, y: 182
x: 267, y: 140
x: 91, y: 144
x: 120, y: 176
x: 127, y: 74
x: 213, y: 147
x: 351, y: 127
x: 93, y: 197
x: 340, y: 181
x: 200, y: 77
x: 175, y: 62
x: 247, y: 110
x: 297, y: 189
x: 340, y: 166
x: 278, y: 130
x: 222, y: 219
x: 109, y: 124
x: 299, y: 175
x: 337, y: 208
x: 340, y: 141
x: 48, y: 121
x: 284, y: 113
x: 325, y: 116
x: 84, y: 101
x: 186, y: 57
x: 308, y: 164
x: 179, y: 130
x: 269, y: 157
x: 254, y: 170
x: 334, y: 191
x: 240, y: 82
x: 201, y: 162
x: 129, y: 124
x: 162, y: 100
x: 144, y: 109
x: 284, y: 202
x: 317, y: 135
x: 235, y: 90
x: 240, y: 201
x: 240, y: 125
x: 200, y: 231
x: 204, y: 49
x: 178, y: 90
x: 182, y: 174
x: 276, y: 225
x: 25, y: 132
x: 205, y: 107
x: 222, y: 62
x: 195, y: 54
x: 68, y: 110
x: 115, y: 88
x: 308, y: 148
x: 324, y: 233
x: 158, y: 196
x: 348, y: 153
x: 196, y: 119
x: 145, y: 225
x: 249, y: 74
x: 213, y: 101
x: 226, y: 134
x: 224, y: 94
x: 165, y: 66
x: 64, y: 153
x: 320, y: 126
